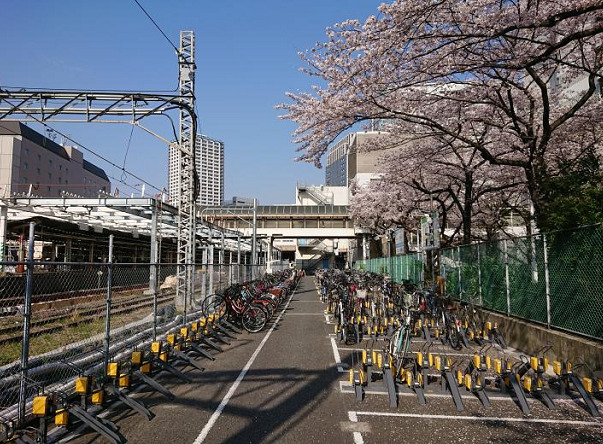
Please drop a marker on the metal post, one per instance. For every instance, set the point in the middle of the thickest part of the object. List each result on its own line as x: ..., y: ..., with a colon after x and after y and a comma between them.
x: 268, y: 264
x: 222, y: 260
x: 26, y: 324
x: 479, y: 275
x: 458, y: 262
x: 211, y: 267
x: 108, y: 304
x: 153, y: 272
x: 507, y: 280
x: 3, y: 221
x: 230, y: 268
x: 254, y: 238
x: 547, y: 282
x: 153, y: 257
x: 238, y: 259
x: 204, y: 276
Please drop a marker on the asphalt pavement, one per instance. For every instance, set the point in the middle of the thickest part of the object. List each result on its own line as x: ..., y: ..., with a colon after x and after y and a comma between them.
x: 288, y: 384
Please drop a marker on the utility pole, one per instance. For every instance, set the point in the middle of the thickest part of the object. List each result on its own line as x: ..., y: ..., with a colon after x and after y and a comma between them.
x: 187, y: 194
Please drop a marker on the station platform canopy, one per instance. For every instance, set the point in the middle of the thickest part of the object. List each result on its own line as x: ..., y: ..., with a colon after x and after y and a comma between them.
x: 135, y: 216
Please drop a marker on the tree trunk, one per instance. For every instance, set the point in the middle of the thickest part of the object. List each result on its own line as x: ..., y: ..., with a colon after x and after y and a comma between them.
x: 467, y: 208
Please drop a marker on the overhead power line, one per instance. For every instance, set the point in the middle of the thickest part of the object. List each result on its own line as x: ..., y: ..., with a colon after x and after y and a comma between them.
x: 158, y: 27
x: 85, y: 148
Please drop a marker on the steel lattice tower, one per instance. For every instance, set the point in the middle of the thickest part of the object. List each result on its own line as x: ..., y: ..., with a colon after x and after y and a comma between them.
x: 188, y: 184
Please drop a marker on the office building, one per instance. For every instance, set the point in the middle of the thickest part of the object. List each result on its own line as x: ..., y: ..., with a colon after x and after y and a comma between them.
x: 238, y: 201
x: 33, y: 164
x: 347, y: 161
x: 209, y: 163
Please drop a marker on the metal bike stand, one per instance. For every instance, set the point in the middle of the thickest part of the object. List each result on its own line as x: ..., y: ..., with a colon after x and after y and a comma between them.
x: 173, y: 370
x: 223, y: 330
x: 137, y: 406
x: 94, y: 423
x: 199, y: 350
x: 181, y: 356
x: 230, y: 326
x: 205, y: 340
x: 146, y: 379
x: 390, y: 385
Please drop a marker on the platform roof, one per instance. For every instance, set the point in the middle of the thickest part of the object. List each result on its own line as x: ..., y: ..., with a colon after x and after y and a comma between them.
x: 129, y: 215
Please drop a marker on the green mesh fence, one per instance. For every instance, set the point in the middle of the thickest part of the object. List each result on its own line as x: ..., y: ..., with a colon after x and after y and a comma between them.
x: 576, y: 280
x: 517, y: 276
x: 493, y: 282
x: 406, y: 267
x: 511, y: 277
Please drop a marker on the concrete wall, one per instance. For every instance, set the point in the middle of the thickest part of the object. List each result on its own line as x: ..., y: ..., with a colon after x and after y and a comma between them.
x: 528, y: 338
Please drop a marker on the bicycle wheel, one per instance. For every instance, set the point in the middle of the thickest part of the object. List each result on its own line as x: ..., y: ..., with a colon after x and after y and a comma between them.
x: 454, y: 338
x: 254, y: 319
x: 268, y: 308
x: 213, y: 304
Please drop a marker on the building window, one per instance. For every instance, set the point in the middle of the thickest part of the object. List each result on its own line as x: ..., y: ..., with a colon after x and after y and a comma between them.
x: 60, y: 180
x: 60, y: 167
x: 24, y: 179
x: 27, y: 151
x: 38, y: 170
x: 39, y: 157
x: 49, y: 162
x: 66, y: 181
x: 25, y: 166
x: 49, y: 176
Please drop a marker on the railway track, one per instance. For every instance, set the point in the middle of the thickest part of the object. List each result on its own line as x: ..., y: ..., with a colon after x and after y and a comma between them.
x: 46, y: 322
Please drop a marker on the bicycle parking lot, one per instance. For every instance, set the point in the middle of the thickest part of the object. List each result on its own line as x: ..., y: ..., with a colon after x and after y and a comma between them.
x: 290, y: 383
x: 502, y: 420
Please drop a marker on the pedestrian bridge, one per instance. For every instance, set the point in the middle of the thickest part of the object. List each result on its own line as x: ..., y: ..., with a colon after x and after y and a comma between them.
x: 286, y: 221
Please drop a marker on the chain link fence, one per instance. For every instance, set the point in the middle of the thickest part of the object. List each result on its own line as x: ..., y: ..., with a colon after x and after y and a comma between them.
x: 59, y: 320
x: 408, y: 267
x: 554, y: 279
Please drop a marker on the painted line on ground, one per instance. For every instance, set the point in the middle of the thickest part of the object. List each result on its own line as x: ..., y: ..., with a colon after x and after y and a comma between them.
x: 336, y: 356
x: 345, y: 387
x: 304, y: 314
x: 357, y: 435
x: 308, y: 302
x: 481, y: 418
x: 214, y: 417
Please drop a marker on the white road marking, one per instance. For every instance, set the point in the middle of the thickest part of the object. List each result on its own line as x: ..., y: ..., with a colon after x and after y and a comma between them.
x: 336, y: 356
x: 214, y: 417
x: 304, y: 314
x: 346, y: 385
x: 481, y: 418
x: 357, y: 435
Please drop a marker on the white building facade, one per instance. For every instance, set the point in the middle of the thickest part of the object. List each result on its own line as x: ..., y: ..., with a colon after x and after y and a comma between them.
x: 209, y: 163
x: 33, y: 164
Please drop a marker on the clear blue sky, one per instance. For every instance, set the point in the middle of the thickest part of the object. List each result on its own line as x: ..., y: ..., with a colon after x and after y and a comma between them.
x: 246, y: 57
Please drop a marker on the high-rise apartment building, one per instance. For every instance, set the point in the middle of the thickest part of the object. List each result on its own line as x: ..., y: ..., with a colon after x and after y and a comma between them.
x: 31, y: 163
x: 209, y: 163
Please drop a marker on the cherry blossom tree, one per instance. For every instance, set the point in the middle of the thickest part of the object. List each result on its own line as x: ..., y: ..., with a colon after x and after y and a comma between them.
x: 513, y: 81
